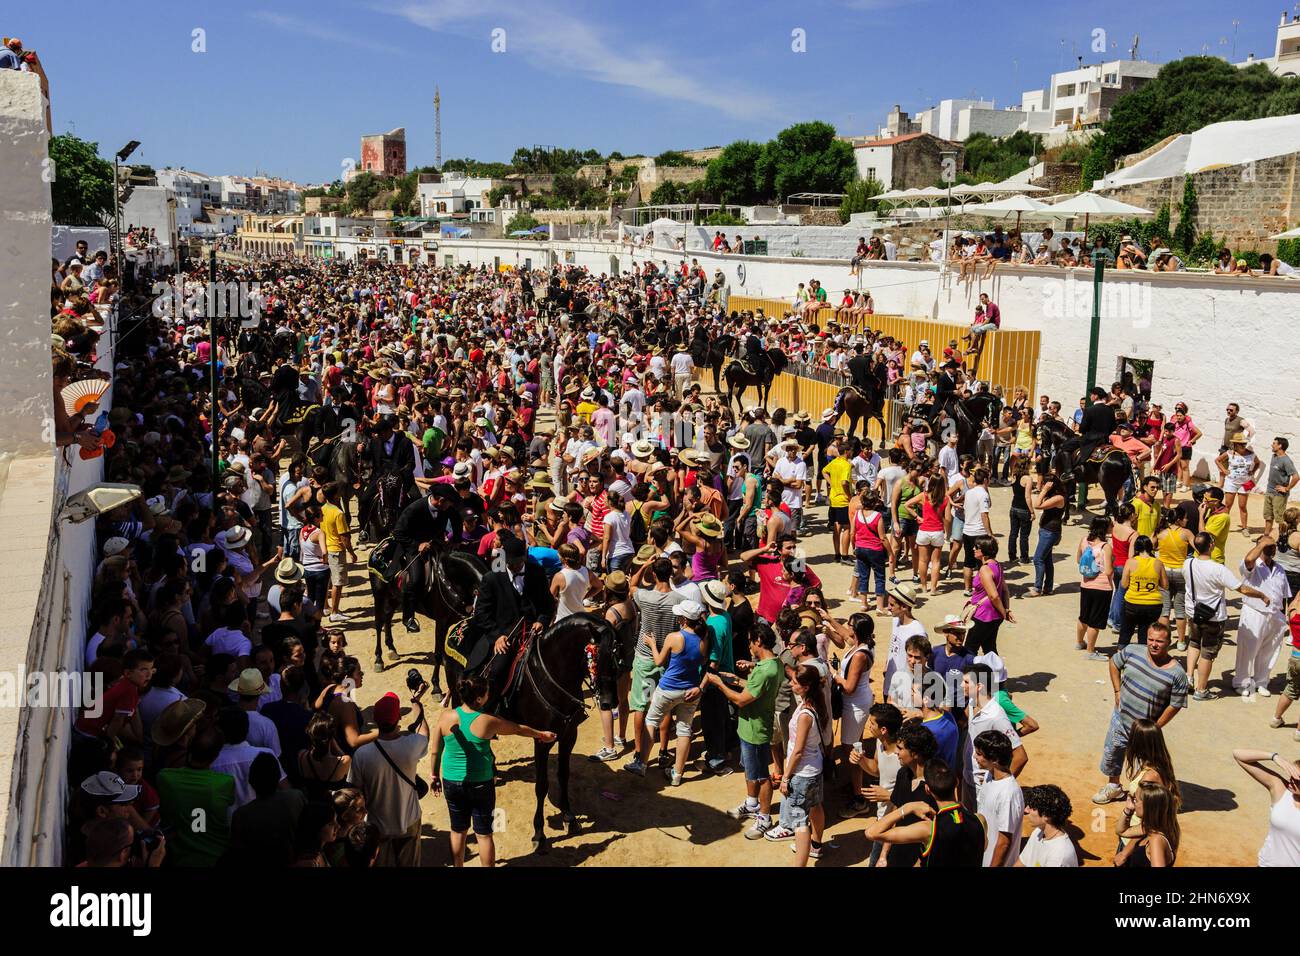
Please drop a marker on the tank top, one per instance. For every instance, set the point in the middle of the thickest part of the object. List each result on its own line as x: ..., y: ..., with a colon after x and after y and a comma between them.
x: 931, y: 520
x: 1102, y: 582
x: 906, y: 493
x: 1143, y: 581
x: 810, y: 759
x: 1172, y: 548
x: 866, y: 531
x: 984, y: 609
x: 1119, y: 549
x: 313, y: 553
x: 576, y: 582
x: 956, y: 838
x: 1018, y: 500
x: 1282, y: 845
x: 683, y: 671
x: 466, y: 758
x: 861, y: 697
x: 704, y: 565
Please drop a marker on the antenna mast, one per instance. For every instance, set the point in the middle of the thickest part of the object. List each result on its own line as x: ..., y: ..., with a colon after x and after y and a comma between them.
x: 437, y: 129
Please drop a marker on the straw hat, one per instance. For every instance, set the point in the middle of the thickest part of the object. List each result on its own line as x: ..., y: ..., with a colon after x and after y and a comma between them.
x: 951, y: 622
x: 1237, y: 438
x: 692, y: 457
x: 715, y: 594
x: 645, y: 554
x: 643, y: 449
x: 904, y: 592
x: 236, y: 538
x: 289, y: 571
x: 249, y: 683
x: 738, y: 442
x: 175, y: 719
x: 708, y: 526
x: 616, y: 581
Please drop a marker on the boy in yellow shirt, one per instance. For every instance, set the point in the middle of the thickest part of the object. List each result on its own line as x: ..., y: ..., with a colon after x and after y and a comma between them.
x: 838, y: 471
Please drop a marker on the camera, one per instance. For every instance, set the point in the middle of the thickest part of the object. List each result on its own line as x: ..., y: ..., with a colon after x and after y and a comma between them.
x: 413, y: 680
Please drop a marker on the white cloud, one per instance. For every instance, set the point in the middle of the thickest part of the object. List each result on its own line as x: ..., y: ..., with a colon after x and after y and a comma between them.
x: 317, y: 31
x: 558, y: 42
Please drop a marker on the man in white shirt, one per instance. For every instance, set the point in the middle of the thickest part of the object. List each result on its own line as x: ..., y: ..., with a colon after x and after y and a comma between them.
x: 1000, y: 801
x: 983, y: 712
x: 249, y: 687
x: 902, y: 601
x: 1206, y: 581
x: 866, y: 464
x: 891, y: 248
x: 238, y: 754
x: 791, y: 473
x: 949, y: 460
x: 385, y: 771
x: 683, y: 368
x: 1047, y: 809
x: 1263, y: 625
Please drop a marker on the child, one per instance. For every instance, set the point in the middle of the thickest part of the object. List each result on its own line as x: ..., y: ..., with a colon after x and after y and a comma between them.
x: 130, y: 767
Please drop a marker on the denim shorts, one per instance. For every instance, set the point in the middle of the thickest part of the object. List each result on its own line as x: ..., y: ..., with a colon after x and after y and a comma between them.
x: 671, y: 704
x: 756, y: 759
x: 468, y: 802
x: 805, y: 795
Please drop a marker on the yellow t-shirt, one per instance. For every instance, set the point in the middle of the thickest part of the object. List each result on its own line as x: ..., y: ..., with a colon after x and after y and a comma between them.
x: 335, y: 526
x: 1147, y: 517
x: 837, y: 472
x: 1217, y: 525
x: 1143, y: 581
x: 584, y: 411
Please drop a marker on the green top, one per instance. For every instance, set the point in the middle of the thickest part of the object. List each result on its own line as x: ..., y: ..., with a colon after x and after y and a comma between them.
x: 1014, y: 713
x: 756, y: 717
x: 182, y: 793
x: 465, y: 757
x: 432, y: 441
x: 720, y: 649
x: 906, y: 493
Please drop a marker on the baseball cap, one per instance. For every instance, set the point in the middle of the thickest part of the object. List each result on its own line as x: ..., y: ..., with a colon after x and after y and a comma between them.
x: 109, y: 787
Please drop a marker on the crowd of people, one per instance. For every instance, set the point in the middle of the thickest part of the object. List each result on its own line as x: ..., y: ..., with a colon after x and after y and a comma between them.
x: 550, y: 423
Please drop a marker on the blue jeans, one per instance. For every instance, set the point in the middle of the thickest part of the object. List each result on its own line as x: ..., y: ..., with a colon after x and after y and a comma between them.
x: 869, y: 561
x: 1044, y: 575
x: 1020, y: 525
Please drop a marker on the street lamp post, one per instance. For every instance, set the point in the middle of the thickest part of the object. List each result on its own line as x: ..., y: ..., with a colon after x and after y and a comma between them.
x: 118, y: 158
x: 948, y: 168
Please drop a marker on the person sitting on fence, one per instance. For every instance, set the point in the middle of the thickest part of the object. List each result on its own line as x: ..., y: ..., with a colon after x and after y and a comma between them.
x: 858, y: 256
x: 988, y: 318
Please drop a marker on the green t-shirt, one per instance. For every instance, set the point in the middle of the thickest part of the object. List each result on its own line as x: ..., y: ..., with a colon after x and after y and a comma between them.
x: 432, y: 441
x: 821, y: 293
x: 720, y: 649
x: 755, y: 725
x: 196, y: 838
x: 1014, y: 713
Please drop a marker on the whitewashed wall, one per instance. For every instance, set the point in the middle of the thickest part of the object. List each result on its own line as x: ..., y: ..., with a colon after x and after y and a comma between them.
x: 1213, y: 340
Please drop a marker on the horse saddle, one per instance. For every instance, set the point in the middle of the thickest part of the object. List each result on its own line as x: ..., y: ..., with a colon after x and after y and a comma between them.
x: 1103, y: 453
x: 382, y: 563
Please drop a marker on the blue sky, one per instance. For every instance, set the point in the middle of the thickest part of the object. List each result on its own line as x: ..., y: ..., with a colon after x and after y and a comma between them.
x: 288, y: 89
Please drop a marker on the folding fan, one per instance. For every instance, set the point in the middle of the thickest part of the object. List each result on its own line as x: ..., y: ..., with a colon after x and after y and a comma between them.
x: 82, y: 393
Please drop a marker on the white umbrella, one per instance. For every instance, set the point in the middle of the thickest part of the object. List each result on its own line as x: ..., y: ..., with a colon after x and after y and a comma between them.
x: 1088, y: 205
x: 1019, y: 204
x: 1289, y: 234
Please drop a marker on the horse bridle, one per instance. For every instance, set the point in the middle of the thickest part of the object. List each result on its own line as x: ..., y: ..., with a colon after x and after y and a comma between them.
x: 566, y: 719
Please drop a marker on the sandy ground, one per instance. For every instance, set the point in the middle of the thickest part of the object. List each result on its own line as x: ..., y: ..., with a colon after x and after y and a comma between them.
x: 633, y: 821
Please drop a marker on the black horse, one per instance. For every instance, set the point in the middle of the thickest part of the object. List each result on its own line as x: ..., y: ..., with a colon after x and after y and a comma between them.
x: 715, y: 357
x: 739, y: 378
x: 1107, y: 466
x: 862, y: 406
x: 451, y: 583
x: 547, y: 694
x: 969, y: 415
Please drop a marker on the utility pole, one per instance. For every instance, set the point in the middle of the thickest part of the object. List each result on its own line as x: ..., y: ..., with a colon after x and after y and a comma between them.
x: 210, y: 300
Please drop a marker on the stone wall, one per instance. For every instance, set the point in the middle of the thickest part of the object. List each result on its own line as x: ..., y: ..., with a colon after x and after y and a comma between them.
x: 1241, y: 205
x: 917, y: 163
x: 1059, y: 178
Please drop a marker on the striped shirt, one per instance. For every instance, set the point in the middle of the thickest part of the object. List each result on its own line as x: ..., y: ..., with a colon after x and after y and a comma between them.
x: 1145, y: 690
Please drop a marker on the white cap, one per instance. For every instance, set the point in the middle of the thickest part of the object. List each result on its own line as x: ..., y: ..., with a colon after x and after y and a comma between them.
x: 115, y: 545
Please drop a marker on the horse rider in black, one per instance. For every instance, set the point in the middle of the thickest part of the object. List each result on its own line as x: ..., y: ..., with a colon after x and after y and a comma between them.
x: 502, y: 606
x: 755, y: 356
x: 1095, y: 429
x: 860, y: 370
x: 428, y: 522
x: 388, y: 452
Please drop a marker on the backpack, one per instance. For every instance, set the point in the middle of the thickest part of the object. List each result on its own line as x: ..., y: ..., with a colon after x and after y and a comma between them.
x: 637, y: 529
x: 1088, y: 565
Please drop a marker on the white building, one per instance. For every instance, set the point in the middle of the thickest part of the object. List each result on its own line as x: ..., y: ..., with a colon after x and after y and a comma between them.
x: 188, y: 184
x: 1285, y: 60
x: 942, y: 120
x: 234, y: 192
x: 1084, y: 96
x: 154, y: 207
x: 452, y: 192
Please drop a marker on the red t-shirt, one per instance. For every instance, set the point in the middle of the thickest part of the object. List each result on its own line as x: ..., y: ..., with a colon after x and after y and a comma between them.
x: 772, y: 591
x: 122, y: 698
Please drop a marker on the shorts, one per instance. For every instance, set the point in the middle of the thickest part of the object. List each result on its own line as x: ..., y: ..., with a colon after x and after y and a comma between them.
x: 1169, y: 481
x: 1292, y: 690
x: 338, y: 570
x: 671, y: 703
x: 1094, y: 606
x: 805, y: 795
x: 1207, y: 637
x: 1116, y: 745
x: 958, y: 527
x: 908, y: 527
x: 1274, y: 506
x: 470, y: 802
x: 1233, y: 487
x: 930, y: 539
x: 853, y: 721
x: 968, y: 552
x: 606, y: 692
x: 645, y: 681
x: 839, y: 516
x: 1175, y: 597
x: 1187, y: 453
x: 756, y: 760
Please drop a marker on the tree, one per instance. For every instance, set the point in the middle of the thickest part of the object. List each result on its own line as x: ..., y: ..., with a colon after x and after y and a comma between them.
x: 566, y: 187
x: 362, y: 191
x: 520, y: 222
x: 858, y: 197
x: 730, y: 176
x: 1184, y: 236
x: 667, y: 193
x: 805, y: 157
x: 987, y: 159
x: 673, y: 157
x: 404, y: 203
x: 497, y: 193
x: 82, y: 187
x: 723, y: 219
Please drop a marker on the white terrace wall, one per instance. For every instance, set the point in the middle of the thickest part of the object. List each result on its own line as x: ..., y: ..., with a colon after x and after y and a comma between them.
x: 1213, y: 339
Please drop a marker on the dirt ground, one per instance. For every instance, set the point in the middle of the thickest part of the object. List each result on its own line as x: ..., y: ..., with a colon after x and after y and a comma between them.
x: 626, y: 820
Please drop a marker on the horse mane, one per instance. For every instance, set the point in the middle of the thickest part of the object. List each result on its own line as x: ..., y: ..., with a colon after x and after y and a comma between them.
x: 779, y: 359
x: 579, y: 620
x: 469, y: 563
